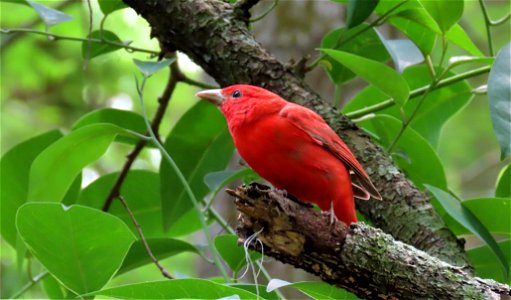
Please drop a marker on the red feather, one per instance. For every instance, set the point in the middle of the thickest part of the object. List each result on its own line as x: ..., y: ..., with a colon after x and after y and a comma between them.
x: 293, y: 148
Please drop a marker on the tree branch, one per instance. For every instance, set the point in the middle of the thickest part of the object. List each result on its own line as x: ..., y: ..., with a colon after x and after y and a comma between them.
x: 210, y: 33
x: 341, y: 255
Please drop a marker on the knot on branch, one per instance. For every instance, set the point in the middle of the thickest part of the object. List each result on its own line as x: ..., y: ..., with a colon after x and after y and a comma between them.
x: 288, y: 227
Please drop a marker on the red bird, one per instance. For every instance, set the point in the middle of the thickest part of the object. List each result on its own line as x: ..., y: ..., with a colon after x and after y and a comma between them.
x: 293, y: 148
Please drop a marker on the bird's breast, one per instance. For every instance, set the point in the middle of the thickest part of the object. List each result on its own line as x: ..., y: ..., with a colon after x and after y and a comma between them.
x: 289, y: 158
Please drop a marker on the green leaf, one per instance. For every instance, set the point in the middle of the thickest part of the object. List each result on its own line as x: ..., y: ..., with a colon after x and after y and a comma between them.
x: 358, y: 11
x: 82, y: 247
x: 484, y: 264
x: 499, y: 93
x: 199, y: 143
x: 123, y: 118
x: 366, y: 44
x: 175, y: 289
x: 503, y: 187
x: 148, y: 68
x: 140, y: 189
x: 74, y: 191
x: 21, y: 2
x: 455, y: 61
x: 15, y: 169
x: 253, y: 288
x: 109, y: 6
x: 404, y: 53
x: 494, y: 213
x: 413, y: 154
x: 459, y: 37
x: 91, y: 50
x: 384, y: 7
x: 438, y: 107
x: 376, y: 73
x: 187, y: 223
x: 313, y: 289
x: 421, y: 36
x: 55, y: 290
x: 232, y: 253
x: 421, y: 17
x: 49, y: 15
x: 468, y: 220
x: 216, y: 180
x: 445, y: 13
x: 161, y: 248
x: 54, y: 170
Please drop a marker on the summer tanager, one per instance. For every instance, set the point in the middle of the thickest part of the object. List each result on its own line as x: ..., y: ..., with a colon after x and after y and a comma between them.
x: 293, y: 148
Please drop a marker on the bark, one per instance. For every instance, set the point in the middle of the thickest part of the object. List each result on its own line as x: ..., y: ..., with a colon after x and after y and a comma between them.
x: 380, y: 266
x: 214, y: 34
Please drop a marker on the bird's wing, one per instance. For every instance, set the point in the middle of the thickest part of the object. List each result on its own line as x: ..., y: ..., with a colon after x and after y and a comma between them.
x: 314, y: 125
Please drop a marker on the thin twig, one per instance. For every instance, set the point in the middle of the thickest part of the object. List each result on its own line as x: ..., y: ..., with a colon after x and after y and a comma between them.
x: 182, y: 178
x: 89, y: 43
x: 340, y: 41
x: 162, y: 269
x: 196, y: 83
x: 71, y: 38
x: 275, y: 3
x: 409, y: 120
x: 487, y: 24
x: 418, y: 92
x: 15, y: 36
x: 163, y: 101
x: 30, y: 284
x: 245, y: 5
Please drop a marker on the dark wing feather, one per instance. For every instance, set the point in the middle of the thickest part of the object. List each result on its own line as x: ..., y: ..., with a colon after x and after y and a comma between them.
x: 314, y: 125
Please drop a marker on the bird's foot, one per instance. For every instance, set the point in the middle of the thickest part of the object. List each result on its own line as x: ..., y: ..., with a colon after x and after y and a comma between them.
x: 331, y: 213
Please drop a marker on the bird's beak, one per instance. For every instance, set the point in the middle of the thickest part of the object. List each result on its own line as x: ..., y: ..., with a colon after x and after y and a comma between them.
x: 213, y: 96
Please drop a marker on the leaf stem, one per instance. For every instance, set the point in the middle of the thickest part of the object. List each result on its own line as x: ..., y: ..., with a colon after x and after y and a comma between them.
x: 29, y: 285
x: 175, y: 167
x: 487, y: 23
x: 71, y: 38
x: 501, y: 20
x: 418, y: 92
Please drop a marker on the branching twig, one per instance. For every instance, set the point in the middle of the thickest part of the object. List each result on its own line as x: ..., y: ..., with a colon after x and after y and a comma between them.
x: 56, y: 37
x: 163, y: 101
x: 31, y: 283
x: 162, y: 269
x: 487, y: 25
x: 339, y: 42
x: 31, y: 24
x: 418, y: 92
x: 258, y: 18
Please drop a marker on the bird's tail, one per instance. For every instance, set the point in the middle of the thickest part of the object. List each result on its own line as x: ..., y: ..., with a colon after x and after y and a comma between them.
x: 344, y: 206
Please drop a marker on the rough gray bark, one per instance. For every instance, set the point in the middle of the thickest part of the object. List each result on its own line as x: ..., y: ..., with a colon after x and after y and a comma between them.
x: 215, y: 36
x: 381, y: 266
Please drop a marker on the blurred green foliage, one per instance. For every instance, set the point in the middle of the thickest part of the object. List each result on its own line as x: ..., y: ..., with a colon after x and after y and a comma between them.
x: 48, y: 85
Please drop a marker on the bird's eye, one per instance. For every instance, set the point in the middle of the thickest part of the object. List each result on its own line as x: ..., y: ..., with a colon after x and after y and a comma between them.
x: 236, y: 94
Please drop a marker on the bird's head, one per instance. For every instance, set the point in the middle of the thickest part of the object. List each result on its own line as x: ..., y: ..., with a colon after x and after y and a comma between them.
x: 238, y: 97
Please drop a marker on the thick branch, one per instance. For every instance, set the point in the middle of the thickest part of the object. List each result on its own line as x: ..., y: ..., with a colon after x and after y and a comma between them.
x: 359, y: 258
x: 209, y: 32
